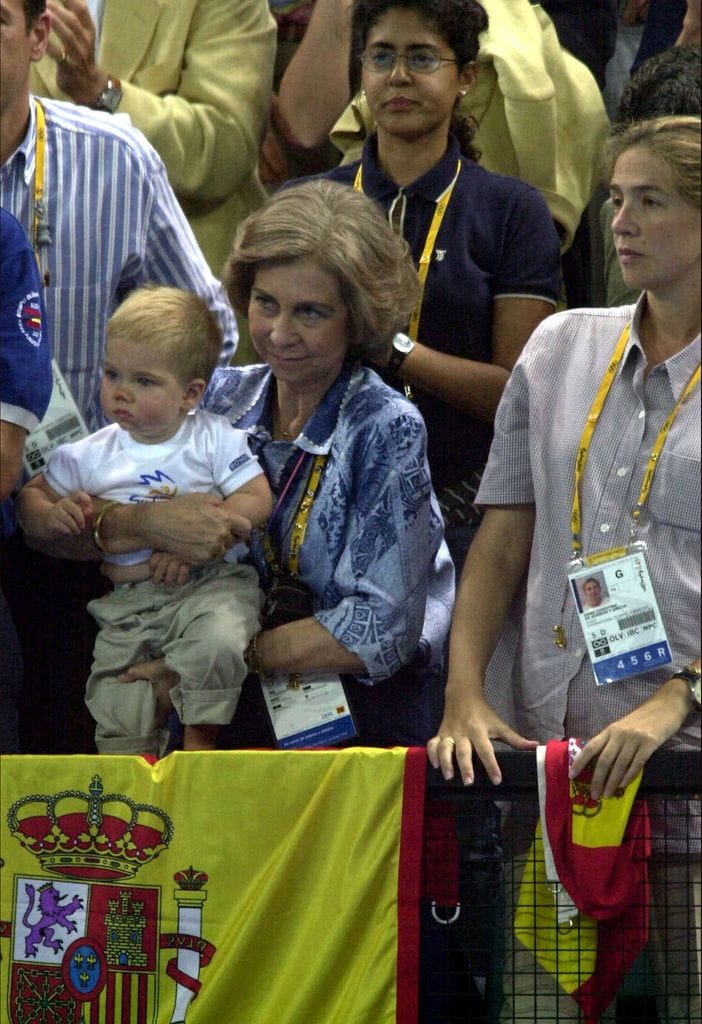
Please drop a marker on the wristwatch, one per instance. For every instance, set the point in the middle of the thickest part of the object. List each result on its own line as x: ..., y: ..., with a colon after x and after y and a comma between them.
x: 693, y: 678
x: 110, y: 96
x: 402, y: 345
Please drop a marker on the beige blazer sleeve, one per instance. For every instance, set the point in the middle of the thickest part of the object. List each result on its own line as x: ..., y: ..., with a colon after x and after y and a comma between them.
x: 197, y: 78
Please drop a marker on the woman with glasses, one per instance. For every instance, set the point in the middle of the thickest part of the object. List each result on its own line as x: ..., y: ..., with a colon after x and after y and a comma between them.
x: 485, y: 245
x: 488, y: 259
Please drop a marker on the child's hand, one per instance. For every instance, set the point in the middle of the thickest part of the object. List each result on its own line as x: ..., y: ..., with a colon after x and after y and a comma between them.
x: 70, y: 515
x: 169, y: 569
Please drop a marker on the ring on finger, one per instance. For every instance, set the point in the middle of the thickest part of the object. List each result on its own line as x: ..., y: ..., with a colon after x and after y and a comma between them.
x: 447, y: 739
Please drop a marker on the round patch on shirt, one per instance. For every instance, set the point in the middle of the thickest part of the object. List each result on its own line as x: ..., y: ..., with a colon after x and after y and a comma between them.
x: 29, y: 318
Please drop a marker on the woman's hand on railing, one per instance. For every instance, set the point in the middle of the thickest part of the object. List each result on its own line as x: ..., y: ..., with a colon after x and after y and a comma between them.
x: 623, y: 748
x: 468, y: 730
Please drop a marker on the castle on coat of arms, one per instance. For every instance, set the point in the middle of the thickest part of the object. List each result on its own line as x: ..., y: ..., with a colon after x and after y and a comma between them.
x: 125, y: 926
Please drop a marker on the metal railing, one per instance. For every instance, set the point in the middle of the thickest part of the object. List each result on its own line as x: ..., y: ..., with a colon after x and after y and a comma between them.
x: 475, y: 969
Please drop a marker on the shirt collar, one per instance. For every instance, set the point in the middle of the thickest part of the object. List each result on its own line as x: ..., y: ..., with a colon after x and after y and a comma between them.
x: 679, y: 367
x: 27, y: 148
x: 255, y: 414
x: 431, y: 185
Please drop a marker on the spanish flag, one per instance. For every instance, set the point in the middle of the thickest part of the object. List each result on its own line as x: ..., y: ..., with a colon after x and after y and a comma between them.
x: 239, y: 887
x: 599, y: 849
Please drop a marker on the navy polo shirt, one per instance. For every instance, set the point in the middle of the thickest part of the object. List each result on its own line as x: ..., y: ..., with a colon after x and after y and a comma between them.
x: 497, y: 238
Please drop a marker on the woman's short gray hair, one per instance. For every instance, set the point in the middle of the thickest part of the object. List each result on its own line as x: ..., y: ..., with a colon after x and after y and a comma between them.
x: 344, y: 233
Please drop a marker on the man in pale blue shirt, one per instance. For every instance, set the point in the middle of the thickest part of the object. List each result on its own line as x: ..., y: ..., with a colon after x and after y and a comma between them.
x: 94, y: 199
x: 108, y: 219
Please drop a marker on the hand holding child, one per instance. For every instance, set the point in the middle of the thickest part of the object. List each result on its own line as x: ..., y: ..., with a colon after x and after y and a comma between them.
x: 169, y: 569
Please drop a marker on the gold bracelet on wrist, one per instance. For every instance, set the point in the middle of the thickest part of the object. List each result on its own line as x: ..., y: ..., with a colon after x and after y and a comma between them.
x: 99, y: 544
x: 252, y: 656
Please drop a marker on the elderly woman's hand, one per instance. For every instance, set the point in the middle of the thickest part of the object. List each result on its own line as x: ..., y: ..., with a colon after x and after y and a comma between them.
x: 196, y: 527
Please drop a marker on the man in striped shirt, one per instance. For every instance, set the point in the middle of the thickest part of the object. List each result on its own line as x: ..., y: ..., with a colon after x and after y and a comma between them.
x: 108, y: 219
x: 94, y: 198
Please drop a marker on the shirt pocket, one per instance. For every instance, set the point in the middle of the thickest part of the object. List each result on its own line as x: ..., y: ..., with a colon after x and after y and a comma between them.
x: 675, y: 493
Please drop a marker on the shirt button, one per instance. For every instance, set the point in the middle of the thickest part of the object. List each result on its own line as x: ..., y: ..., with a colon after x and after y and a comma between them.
x: 622, y: 471
x: 642, y: 414
x: 604, y: 528
x: 578, y: 652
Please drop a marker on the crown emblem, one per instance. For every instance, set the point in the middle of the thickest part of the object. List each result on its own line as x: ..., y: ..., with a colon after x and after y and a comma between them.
x: 90, y: 835
x: 191, y: 879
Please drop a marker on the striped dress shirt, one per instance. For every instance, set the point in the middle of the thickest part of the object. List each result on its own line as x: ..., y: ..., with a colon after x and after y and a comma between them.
x: 111, y: 224
x: 532, y: 461
x: 552, y: 692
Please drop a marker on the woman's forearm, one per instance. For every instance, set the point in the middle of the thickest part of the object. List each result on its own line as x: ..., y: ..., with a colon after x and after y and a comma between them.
x: 495, y: 566
x: 315, y: 88
x: 304, y: 646
x: 195, y: 527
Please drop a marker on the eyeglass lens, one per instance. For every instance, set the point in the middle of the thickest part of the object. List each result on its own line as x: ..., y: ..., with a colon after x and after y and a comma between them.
x: 420, y: 60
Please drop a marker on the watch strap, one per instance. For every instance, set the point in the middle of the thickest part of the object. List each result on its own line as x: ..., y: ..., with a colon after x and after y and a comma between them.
x: 693, y: 678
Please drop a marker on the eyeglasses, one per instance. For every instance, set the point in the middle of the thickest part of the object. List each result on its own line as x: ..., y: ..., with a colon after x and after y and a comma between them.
x: 420, y: 61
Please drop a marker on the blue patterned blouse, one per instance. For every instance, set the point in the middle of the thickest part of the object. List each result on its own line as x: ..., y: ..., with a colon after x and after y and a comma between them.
x: 373, y: 555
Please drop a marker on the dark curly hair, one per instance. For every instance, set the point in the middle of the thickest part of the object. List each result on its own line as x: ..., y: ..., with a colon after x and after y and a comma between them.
x: 458, y: 22
x: 32, y: 9
x: 665, y: 84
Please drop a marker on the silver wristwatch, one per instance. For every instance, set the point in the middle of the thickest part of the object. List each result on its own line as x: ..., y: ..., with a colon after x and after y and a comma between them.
x: 110, y: 96
x: 693, y: 678
x: 402, y: 345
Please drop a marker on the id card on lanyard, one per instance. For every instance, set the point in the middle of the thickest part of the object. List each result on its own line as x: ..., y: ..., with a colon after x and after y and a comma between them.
x: 613, y: 591
x: 619, y: 617
x: 62, y: 423
x: 306, y: 709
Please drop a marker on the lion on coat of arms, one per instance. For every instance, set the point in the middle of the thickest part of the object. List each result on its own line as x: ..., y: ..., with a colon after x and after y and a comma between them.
x: 53, y: 915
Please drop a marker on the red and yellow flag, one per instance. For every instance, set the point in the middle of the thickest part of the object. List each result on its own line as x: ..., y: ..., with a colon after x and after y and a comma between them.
x: 238, y: 887
x: 599, y: 848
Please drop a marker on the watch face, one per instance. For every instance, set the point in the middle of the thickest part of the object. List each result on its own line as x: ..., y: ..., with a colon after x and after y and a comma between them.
x: 402, y: 343
x: 109, y: 98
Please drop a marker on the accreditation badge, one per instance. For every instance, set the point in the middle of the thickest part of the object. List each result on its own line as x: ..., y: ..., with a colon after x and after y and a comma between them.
x: 62, y: 423
x: 309, y: 710
x: 619, y: 615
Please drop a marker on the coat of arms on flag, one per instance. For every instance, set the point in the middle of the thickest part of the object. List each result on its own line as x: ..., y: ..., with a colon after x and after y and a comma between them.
x: 241, y: 886
x: 85, y: 936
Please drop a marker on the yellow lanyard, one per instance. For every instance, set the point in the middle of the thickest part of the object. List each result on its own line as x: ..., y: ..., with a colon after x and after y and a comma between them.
x: 38, y: 220
x: 301, y: 519
x: 425, y: 258
x: 303, y: 514
x: 589, y: 429
x: 39, y: 155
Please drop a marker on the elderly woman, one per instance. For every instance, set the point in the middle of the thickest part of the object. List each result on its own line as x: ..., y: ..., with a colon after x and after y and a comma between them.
x: 326, y: 284
x: 358, y: 581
